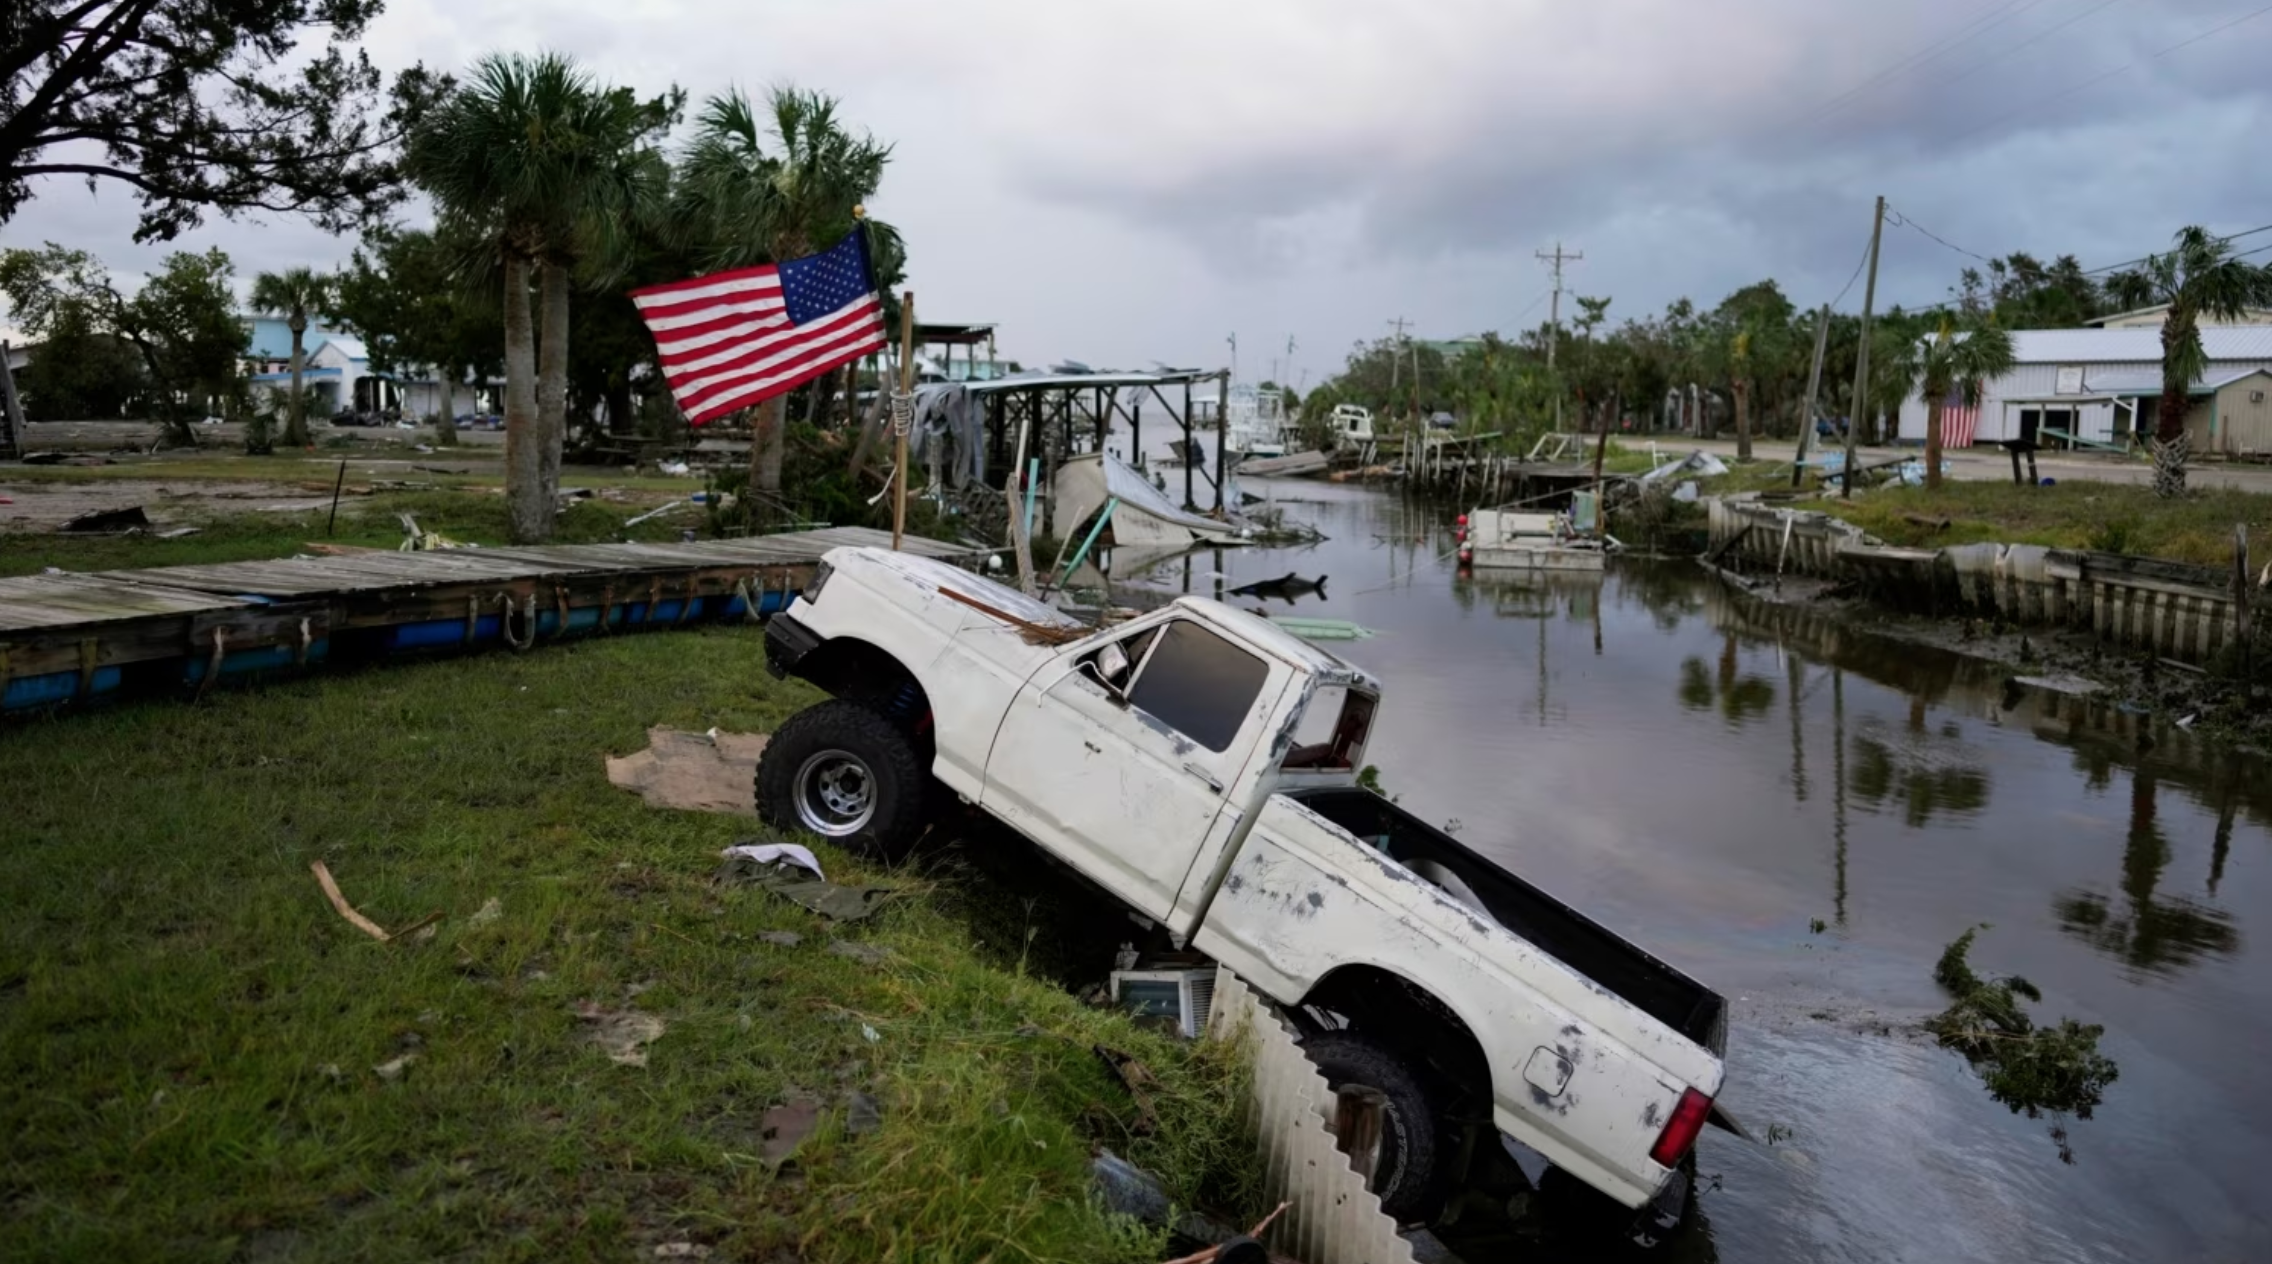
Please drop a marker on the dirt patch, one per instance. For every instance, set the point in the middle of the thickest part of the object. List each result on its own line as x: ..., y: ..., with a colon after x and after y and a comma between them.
x: 45, y: 506
x: 696, y: 772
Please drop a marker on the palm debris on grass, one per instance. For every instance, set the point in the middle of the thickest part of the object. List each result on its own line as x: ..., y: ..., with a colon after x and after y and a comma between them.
x: 206, y: 1061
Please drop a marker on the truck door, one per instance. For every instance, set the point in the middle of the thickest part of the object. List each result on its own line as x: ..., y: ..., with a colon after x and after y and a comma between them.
x: 1121, y: 761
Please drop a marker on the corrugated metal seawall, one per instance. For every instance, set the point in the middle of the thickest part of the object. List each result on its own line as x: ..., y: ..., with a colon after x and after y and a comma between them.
x: 1334, y: 1218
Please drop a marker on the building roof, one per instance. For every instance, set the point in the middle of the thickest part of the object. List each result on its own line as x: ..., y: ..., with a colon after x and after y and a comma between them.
x: 350, y: 347
x: 961, y: 335
x: 306, y: 375
x: 2155, y: 310
x: 272, y: 337
x: 2142, y: 346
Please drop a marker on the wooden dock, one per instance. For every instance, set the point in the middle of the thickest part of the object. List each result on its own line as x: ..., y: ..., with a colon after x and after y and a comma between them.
x: 72, y: 638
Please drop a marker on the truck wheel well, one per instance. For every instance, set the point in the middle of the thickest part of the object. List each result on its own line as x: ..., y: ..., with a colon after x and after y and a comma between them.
x: 1402, y: 1014
x: 859, y: 671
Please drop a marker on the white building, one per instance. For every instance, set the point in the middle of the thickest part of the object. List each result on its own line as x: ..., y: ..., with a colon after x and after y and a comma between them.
x: 2155, y: 317
x: 2103, y: 385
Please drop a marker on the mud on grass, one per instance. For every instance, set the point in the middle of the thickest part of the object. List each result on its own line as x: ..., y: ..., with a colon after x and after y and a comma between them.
x: 189, y: 1033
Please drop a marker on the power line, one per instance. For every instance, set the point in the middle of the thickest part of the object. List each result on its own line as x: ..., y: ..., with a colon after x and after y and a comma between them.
x: 2112, y: 267
x: 2093, y: 82
x: 1859, y: 264
x: 1923, y: 56
x: 2029, y: 42
x: 1907, y: 222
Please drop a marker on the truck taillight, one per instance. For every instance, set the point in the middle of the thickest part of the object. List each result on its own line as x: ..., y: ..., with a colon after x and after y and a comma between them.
x: 1680, y: 1131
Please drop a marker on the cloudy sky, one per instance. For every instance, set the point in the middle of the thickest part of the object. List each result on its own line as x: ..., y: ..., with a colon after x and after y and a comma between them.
x: 1120, y: 182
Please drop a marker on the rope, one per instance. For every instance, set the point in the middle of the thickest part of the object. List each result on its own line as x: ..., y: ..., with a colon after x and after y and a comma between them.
x: 505, y: 621
x: 749, y: 601
x: 307, y: 639
x: 213, y: 665
x: 902, y: 414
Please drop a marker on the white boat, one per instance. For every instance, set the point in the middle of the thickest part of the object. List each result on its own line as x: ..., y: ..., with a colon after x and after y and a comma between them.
x: 1352, y: 425
x: 1498, y: 539
x: 1254, y: 419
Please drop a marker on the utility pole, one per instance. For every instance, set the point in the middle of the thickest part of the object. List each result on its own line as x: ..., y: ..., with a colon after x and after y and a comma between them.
x: 1554, y: 315
x: 1862, y: 357
x: 1814, y: 384
x: 1396, y: 358
x: 1234, y: 341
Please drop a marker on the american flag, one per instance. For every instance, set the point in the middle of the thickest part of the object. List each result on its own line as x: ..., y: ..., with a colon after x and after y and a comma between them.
x: 732, y: 339
x: 1959, y: 421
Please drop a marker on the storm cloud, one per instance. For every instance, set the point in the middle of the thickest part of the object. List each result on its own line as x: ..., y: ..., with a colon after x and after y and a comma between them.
x: 1122, y: 182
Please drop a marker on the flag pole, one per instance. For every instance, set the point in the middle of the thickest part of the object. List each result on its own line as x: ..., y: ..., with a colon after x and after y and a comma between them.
x: 901, y: 422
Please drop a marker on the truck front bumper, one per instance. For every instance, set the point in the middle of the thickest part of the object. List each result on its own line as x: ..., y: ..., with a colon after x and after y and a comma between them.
x: 786, y: 644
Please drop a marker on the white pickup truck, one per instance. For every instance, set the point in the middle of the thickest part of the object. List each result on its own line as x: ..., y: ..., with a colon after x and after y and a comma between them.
x: 1200, y: 765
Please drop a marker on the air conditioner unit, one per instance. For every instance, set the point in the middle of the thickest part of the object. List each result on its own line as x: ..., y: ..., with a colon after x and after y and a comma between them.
x: 2256, y: 397
x: 1179, y: 999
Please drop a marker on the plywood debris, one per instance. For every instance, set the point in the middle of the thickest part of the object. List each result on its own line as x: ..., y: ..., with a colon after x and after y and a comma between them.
x: 695, y: 772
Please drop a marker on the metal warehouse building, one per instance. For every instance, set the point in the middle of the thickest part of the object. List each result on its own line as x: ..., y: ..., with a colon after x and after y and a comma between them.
x: 2101, y: 385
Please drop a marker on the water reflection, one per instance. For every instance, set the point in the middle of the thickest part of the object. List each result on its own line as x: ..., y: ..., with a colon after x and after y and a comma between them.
x: 2151, y: 934
x: 1738, y: 697
x: 1927, y: 773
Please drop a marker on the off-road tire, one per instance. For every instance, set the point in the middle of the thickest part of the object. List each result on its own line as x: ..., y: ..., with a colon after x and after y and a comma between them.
x: 1412, y: 1136
x: 801, y: 750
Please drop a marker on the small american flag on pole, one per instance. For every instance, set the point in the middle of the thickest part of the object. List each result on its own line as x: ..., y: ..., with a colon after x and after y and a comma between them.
x: 1959, y: 421
x: 732, y: 339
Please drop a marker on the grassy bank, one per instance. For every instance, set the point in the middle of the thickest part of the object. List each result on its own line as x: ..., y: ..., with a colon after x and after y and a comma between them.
x: 2108, y: 517
x: 189, y: 1034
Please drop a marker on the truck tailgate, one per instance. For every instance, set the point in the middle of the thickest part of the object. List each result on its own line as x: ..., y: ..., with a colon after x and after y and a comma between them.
x: 1577, y: 941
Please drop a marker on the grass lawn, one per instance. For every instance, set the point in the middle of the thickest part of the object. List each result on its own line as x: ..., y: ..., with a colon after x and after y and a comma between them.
x: 2108, y: 517
x: 188, y: 1032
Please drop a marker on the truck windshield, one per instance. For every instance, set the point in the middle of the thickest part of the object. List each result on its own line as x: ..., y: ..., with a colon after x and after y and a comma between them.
x: 1330, y: 735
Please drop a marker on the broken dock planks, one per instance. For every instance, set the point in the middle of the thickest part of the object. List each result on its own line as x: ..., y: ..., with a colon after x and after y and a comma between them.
x: 66, y: 637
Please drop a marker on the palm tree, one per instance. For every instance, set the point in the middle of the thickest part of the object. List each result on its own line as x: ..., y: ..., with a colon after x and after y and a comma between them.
x: 295, y: 294
x: 547, y: 171
x: 756, y: 188
x: 2199, y: 276
x: 1956, y: 362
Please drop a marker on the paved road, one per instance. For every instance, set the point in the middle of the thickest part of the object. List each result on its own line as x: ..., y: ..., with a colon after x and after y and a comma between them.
x: 1992, y: 465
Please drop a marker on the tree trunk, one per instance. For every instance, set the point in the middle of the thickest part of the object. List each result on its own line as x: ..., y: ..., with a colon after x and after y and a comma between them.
x: 2169, y: 465
x: 446, y: 425
x: 1743, y: 419
x: 765, y: 440
x: 1933, y: 443
x: 529, y: 516
x: 296, y: 419
x: 552, y: 384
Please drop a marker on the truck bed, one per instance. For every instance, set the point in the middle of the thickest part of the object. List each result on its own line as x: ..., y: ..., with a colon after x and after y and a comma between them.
x: 1555, y: 928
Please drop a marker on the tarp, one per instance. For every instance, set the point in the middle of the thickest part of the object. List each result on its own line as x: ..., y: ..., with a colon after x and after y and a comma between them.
x: 1145, y: 517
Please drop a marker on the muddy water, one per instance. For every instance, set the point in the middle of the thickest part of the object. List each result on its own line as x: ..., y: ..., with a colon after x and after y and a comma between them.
x: 1716, y: 780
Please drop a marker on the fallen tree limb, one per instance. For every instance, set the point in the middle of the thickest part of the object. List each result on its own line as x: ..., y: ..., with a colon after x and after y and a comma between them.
x: 346, y: 910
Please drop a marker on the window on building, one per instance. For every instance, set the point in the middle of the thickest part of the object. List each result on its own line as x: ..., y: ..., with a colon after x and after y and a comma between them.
x: 1198, y: 684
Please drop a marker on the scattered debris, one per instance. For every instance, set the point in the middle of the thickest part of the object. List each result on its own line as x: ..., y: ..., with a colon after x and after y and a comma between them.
x: 393, y: 1070
x: 130, y: 518
x: 799, y: 885
x: 675, y: 469
x: 865, y: 954
x: 785, y: 1127
x: 682, y: 1251
x: 357, y: 920
x: 2028, y: 1068
x: 774, y: 853
x: 417, y: 541
x: 176, y: 533
x: 862, y: 1115
x: 1138, y: 1080
x: 782, y: 938
x: 490, y: 911
x: 693, y: 772
x: 620, y: 1033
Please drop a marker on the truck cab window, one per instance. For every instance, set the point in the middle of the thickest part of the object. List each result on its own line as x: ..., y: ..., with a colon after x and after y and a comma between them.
x: 1198, y: 684
x: 1330, y: 736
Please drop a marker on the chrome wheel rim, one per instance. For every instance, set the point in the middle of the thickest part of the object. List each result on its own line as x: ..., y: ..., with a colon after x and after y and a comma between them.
x: 836, y: 793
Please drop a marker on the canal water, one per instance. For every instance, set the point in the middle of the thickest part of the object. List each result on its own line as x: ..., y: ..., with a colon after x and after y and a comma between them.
x: 1803, y: 816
